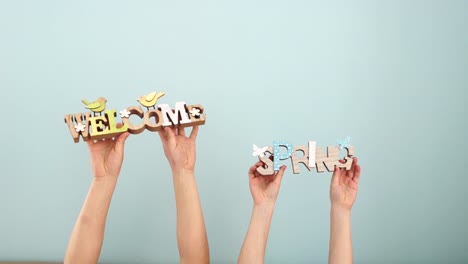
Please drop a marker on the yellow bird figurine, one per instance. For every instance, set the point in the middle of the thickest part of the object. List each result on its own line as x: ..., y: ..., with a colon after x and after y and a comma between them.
x: 150, y: 99
x: 97, y: 106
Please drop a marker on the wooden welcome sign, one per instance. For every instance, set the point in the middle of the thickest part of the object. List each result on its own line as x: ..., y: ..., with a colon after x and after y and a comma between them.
x: 311, y: 157
x: 101, y: 123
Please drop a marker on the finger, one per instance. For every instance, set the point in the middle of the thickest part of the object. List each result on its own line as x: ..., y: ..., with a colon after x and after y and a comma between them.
x: 350, y: 173
x: 90, y: 142
x: 181, y: 131
x: 120, y: 142
x: 167, y: 135
x: 252, y: 171
x: 355, y: 160
x: 357, y: 174
x: 253, y: 168
x: 194, y: 133
x: 279, y: 174
x: 171, y: 132
x: 162, y: 133
x: 335, y: 180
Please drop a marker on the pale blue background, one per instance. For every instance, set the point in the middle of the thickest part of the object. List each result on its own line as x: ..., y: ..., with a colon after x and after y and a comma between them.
x: 391, y: 74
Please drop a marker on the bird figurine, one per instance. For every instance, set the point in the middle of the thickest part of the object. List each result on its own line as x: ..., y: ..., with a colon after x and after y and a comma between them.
x: 97, y: 106
x: 150, y: 100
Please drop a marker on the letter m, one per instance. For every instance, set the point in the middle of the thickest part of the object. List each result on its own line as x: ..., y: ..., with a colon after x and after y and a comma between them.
x: 172, y: 117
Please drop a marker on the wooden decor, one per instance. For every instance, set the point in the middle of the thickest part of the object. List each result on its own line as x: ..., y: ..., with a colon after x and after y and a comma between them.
x: 310, y: 156
x: 267, y: 168
x: 302, y: 160
x: 101, y: 123
x: 105, y: 126
x: 197, y: 115
x: 312, y: 148
x: 133, y: 110
x: 276, y: 153
x: 78, y: 125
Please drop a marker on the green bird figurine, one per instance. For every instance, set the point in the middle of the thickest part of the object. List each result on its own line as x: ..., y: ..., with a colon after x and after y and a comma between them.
x: 97, y: 106
x: 150, y: 100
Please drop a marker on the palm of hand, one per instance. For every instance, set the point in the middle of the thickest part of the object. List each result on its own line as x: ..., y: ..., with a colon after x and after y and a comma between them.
x: 183, y: 153
x: 345, y: 193
x: 344, y: 186
x: 106, y: 158
x: 264, y: 188
x: 178, y: 148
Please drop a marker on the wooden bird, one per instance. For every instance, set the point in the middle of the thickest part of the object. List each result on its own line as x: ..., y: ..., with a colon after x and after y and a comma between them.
x: 97, y: 106
x: 150, y: 99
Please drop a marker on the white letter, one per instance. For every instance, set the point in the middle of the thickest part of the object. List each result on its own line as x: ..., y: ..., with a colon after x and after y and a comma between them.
x: 169, y: 115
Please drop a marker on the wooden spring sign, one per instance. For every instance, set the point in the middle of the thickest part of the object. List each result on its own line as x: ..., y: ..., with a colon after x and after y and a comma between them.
x: 101, y: 123
x: 310, y: 156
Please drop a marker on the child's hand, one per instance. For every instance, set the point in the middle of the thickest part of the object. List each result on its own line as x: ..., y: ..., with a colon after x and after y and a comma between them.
x: 344, y: 186
x: 179, y: 149
x: 264, y: 188
x: 107, y: 156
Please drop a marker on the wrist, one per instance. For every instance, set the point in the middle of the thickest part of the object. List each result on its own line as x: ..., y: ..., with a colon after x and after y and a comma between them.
x: 182, y: 172
x: 268, y: 202
x: 340, y: 210
x: 104, y: 181
x: 100, y: 175
x: 265, y: 206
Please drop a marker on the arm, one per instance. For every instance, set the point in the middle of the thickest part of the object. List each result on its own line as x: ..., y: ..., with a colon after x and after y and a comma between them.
x: 191, y: 232
x: 264, y: 190
x: 86, y: 238
x: 343, y: 192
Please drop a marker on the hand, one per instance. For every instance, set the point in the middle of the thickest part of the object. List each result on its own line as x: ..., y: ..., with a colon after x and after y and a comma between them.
x: 179, y: 149
x: 107, y: 156
x: 344, y: 186
x: 264, y: 188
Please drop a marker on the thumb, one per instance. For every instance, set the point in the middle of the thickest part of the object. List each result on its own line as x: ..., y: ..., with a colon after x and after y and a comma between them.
x: 335, y: 180
x: 279, y: 174
x: 89, y: 142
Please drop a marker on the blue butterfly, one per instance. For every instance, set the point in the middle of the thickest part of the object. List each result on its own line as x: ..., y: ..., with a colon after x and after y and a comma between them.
x: 344, y: 143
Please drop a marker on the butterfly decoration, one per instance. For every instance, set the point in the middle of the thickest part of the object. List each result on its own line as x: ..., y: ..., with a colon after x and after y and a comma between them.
x: 260, y: 152
x: 344, y: 143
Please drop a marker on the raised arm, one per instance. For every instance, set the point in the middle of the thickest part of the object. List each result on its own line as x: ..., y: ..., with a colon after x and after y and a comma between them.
x: 264, y: 190
x: 191, y: 232
x: 86, y: 238
x: 343, y: 192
